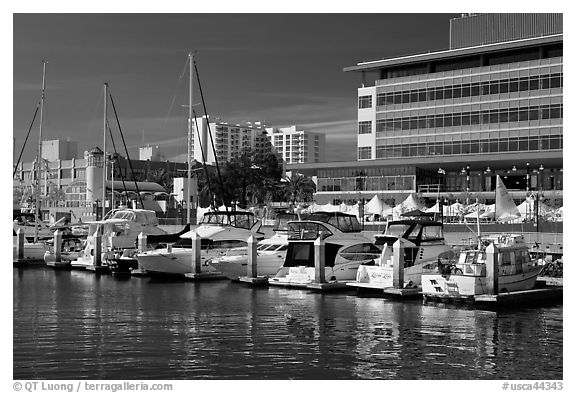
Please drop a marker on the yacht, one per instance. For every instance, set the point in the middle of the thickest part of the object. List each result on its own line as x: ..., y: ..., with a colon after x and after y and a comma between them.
x: 466, y: 278
x: 221, y: 233
x: 32, y: 251
x: 270, y: 253
x: 27, y: 222
x: 119, y: 231
x: 422, y: 242
x: 345, y: 249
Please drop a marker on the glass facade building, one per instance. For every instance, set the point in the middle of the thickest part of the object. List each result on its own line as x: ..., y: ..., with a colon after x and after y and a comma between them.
x: 475, y: 111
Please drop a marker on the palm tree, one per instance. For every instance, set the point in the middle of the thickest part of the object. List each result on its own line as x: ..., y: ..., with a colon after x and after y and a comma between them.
x: 299, y: 188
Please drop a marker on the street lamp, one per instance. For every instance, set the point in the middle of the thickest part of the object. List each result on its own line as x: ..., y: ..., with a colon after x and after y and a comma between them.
x: 527, y: 177
x: 438, y: 201
x: 466, y: 171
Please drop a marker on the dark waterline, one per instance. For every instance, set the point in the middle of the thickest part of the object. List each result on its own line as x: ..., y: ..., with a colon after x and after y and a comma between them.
x: 76, y: 325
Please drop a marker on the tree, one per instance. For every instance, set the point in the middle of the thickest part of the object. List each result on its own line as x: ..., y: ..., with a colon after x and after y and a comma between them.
x: 299, y: 188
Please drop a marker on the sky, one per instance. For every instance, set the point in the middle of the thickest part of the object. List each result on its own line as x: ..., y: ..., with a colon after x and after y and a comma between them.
x: 283, y: 69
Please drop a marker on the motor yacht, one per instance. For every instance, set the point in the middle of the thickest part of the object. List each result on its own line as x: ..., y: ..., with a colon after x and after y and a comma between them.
x: 422, y: 242
x: 270, y: 253
x: 466, y: 277
x: 119, y: 232
x: 32, y: 251
x: 345, y: 249
x: 221, y: 233
x: 28, y: 222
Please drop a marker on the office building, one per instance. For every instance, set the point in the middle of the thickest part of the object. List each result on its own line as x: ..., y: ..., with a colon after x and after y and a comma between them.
x: 447, y: 122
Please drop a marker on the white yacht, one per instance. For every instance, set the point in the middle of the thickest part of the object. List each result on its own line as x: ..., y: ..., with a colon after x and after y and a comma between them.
x: 422, y: 242
x: 32, y: 251
x: 120, y: 231
x: 222, y: 233
x: 345, y: 249
x: 270, y: 253
x: 27, y: 222
x: 466, y: 278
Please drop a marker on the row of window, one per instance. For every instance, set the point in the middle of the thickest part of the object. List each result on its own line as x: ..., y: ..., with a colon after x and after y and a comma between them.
x: 533, y: 143
x: 474, y: 89
x: 391, y: 183
x: 502, y: 115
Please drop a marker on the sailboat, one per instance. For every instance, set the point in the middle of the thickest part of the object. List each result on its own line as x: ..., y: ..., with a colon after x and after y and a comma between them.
x: 35, y: 250
x: 222, y: 233
x: 466, y: 278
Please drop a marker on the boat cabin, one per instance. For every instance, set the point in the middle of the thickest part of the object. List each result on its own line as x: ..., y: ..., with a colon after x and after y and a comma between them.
x: 416, y: 231
x: 313, y: 225
x: 236, y: 219
x: 139, y: 216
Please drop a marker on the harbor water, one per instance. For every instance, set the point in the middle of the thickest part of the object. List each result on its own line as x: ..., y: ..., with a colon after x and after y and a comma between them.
x: 77, y: 325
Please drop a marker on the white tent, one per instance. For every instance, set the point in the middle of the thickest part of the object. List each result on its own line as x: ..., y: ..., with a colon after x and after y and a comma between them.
x: 377, y: 206
x: 327, y: 208
x: 408, y: 205
x: 453, y: 210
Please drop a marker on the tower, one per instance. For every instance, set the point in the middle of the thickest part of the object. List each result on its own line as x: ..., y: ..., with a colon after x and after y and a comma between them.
x: 94, y: 174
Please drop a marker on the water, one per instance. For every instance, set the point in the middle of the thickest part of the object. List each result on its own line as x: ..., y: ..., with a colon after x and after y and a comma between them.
x: 74, y: 324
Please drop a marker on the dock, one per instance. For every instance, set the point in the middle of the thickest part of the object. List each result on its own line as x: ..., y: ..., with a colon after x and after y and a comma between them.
x: 519, y: 298
x: 204, y: 276
x: 254, y: 281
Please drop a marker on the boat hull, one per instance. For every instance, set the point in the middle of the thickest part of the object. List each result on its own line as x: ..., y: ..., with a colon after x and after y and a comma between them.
x: 33, y: 251
x: 300, y: 276
x: 176, y: 262
x: 234, y: 267
x: 461, y: 286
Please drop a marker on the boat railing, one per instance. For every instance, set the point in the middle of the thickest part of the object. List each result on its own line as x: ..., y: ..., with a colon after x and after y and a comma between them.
x: 307, y: 231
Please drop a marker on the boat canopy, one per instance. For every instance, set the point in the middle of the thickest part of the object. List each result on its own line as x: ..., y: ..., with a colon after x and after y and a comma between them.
x: 344, y: 222
x: 234, y: 218
x: 417, y: 231
x: 145, y: 217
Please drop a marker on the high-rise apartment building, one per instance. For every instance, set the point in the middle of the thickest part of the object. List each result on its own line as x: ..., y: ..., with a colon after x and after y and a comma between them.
x: 59, y: 150
x: 296, y: 146
x: 229, y: 140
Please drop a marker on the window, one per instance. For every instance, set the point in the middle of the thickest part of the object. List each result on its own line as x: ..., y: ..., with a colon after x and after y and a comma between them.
x: 364, y: 127
x: 365, y: 153
x: 365, y: 102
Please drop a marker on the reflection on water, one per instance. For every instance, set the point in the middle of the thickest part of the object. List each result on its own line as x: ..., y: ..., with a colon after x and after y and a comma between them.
x: 73, y: 324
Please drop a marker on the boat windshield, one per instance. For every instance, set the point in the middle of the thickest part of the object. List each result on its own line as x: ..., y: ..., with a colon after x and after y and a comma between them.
x: 302, y: 230
x: 25, y: 219
x: 141, y: 217
x: 282, y: 219
x: 208, y: 244
x: 344, y: 222
x: 236, y: 219
x: 397, y: 229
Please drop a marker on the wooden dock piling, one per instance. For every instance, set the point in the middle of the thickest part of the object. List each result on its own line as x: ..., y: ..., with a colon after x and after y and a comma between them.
x: 196, y: 262
x: 142, y: 242
x: 97, y: 257
x: 398, y: 265
x: 58, y: 246
x: 196, y: 255
x: 252, y: 268
x: 492, y: 256
x: 20, y: 244
x: 319, y: 261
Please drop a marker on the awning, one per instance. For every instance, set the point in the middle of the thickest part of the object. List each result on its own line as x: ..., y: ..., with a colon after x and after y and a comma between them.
x: 143, y: 186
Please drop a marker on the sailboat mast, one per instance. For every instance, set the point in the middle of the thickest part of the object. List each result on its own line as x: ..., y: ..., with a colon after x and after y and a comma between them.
x: 104, y: 172
x: 39, y: 159
x: 189, y: 155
